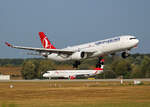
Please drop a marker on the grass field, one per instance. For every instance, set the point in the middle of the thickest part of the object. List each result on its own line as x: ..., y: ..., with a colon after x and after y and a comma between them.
x: 74, y: 94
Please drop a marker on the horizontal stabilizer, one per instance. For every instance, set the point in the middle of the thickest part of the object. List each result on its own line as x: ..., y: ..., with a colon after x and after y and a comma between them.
x: 9, y: 45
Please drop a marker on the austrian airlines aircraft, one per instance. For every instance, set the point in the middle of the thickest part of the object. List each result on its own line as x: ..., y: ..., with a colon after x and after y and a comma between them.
x: 72, y: 74
x: 79, y: 52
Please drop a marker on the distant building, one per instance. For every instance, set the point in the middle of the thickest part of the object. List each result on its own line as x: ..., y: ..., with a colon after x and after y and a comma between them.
x: 4, y: 77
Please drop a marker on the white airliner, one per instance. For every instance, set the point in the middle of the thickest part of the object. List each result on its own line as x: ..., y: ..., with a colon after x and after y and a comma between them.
x: 79, y: 52
x: 72, y: 74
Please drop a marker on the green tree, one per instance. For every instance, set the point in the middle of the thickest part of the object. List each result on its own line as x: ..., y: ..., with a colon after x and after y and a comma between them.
x: 145, y: 67
x: 122, y: 67
x: 107, y: 73
x: 136, y: 72
x: 28, y: 70
x: 43, y: 66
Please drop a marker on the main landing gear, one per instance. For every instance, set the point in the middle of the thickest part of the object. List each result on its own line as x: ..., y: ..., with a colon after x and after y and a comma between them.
x: 99, y: 64
x: 76, y: 64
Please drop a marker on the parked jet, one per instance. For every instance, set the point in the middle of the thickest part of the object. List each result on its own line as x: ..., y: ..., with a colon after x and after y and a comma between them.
x: 72, y: 74
x: 80, y: 52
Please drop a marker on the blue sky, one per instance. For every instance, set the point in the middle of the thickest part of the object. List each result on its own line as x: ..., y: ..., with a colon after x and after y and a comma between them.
x: 71, y: 22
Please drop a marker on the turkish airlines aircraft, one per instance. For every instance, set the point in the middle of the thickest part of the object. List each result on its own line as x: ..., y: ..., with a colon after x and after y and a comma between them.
x: 79, y: 52
x: 72, y: 74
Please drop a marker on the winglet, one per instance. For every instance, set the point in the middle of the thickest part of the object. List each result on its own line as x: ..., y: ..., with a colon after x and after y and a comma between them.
x: 9, y: 45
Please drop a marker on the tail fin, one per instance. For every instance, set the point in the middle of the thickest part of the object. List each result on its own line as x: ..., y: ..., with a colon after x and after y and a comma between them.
x: 45, y: 42
x: 100, y: 65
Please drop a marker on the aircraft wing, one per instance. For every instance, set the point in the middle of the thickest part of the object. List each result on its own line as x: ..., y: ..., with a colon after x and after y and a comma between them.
x: 58, y: 51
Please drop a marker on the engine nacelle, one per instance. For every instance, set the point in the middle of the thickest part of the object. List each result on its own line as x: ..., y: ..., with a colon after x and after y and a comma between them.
x: 125, y: 54
x: 78, y: 56
x: 44, y: 54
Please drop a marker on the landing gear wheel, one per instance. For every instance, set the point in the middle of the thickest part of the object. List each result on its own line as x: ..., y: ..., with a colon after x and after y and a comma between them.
x: 125, y: 55
x: 76, y: 64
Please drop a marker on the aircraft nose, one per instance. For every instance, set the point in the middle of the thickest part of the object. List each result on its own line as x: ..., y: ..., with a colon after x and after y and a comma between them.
x: 137, y: 41
x: 45, y: 75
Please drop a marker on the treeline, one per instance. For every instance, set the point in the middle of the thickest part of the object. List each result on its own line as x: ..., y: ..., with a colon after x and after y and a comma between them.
x: 11, y: 62
x: 136, y: 66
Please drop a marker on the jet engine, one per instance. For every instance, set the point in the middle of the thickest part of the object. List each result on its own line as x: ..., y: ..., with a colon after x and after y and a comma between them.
x: 78, y: 55
x: 125, y: 54
x: 44, y: 54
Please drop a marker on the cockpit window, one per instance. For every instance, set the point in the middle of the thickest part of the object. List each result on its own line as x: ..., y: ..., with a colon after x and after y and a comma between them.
x: 132, y: 38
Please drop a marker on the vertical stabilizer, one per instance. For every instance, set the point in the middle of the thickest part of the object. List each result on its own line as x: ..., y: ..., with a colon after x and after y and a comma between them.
x: 45, y: 42
x: 100, y: 64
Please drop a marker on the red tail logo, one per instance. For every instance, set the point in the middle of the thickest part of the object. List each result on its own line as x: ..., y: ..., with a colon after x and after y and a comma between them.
x: 100, y: 65
x: 45, y: 42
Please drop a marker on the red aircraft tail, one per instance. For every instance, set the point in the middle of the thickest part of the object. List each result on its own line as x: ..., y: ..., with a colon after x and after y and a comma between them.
x: 100, y: 64
x: 45, y: 42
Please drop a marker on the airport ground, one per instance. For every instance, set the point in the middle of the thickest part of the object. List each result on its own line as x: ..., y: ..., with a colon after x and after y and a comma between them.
x: 74, y: 94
